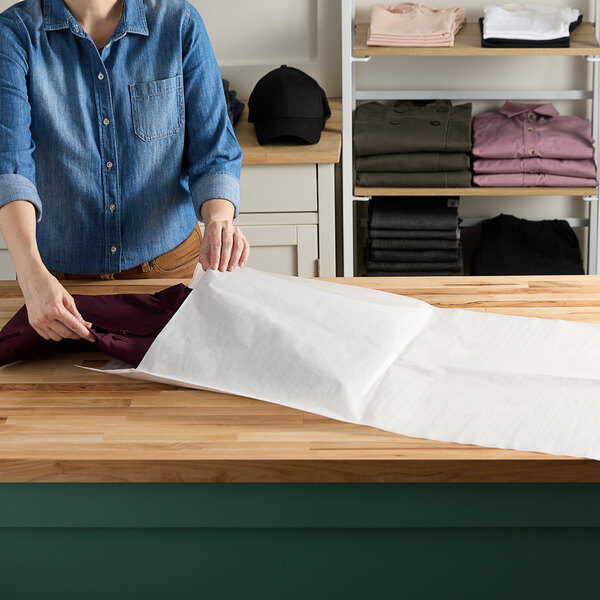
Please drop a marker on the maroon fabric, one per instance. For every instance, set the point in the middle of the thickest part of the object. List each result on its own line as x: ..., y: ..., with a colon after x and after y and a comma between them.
x: 124, y: 325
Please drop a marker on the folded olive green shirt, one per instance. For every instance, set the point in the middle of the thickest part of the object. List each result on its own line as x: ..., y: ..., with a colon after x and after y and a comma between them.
x: 442, y: 179
x: 407, y: 127
x: 415, y: 162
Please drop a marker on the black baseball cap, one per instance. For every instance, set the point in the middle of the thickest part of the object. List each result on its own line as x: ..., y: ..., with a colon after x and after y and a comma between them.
x: 288, y: 103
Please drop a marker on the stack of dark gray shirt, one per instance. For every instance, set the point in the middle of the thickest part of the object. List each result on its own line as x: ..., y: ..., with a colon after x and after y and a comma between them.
x: 412, y: 144
x: 413, y: 236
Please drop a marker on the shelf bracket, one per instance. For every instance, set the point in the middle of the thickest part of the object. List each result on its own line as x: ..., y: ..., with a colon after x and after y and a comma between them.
x: 361, y: 198
x: 590, y: 198
x: 360, y: 59
x: 592, y: 59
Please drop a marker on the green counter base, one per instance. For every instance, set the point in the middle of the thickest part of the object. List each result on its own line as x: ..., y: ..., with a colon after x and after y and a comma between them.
x: 296, y: 541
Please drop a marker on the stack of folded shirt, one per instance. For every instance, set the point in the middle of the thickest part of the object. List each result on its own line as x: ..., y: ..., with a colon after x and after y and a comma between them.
x: 413, y: 144
x: 532, y: 145
x: 513, y: 246
x: 410, y: 24
x: 528, y: 26
x: 413, y: 236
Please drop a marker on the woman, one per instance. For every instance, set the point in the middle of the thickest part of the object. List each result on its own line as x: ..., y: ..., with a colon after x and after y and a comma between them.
x: 114, y: 141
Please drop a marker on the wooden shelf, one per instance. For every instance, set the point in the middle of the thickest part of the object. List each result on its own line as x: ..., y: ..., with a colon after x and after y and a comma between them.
x: 327, y: 151
x: 476, y: 191
x: 468, y: 43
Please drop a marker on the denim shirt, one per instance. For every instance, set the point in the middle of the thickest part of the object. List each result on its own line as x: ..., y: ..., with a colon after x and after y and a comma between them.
x: 116, y: 150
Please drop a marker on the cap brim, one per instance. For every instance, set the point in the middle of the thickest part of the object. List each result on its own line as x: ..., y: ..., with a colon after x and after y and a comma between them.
x: 306, y: 130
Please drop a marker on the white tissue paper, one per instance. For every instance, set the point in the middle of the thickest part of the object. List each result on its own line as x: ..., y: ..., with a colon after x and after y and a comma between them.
x: 385, y: 360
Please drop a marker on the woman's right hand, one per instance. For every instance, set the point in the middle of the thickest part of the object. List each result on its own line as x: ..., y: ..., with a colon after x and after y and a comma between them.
x: 51, y: 309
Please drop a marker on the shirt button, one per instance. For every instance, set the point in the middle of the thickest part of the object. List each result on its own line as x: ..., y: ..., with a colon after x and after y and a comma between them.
x: 109, y: 165
x: 100, y: 76
x: 113, y: 249
x: 435, y: 123
x: 106, y: 121
x: 530, y: 129
x: 112, y: 207
x: 531, y: 151
x: 530, y: 115
x: 76, y: 27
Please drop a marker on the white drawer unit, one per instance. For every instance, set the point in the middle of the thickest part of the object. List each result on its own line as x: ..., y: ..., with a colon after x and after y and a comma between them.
x: 279, y: 188
x: 282, y: 243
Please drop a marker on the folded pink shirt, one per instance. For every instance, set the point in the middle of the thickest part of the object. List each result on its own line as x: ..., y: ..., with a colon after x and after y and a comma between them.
x: 410, y: 24
x: 531, y: 180
x: 585, y: 168
x: 531, y: 131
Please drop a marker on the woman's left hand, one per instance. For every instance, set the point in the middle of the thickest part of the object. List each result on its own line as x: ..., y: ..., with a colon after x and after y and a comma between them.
x: 223, y: 246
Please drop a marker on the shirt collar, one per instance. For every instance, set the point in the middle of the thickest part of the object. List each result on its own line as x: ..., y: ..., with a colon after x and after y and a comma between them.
x: 133, y: 19
x: 512, y: 109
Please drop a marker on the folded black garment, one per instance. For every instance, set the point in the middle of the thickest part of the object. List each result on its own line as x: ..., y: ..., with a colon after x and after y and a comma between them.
x: 421, y: 212
x: 234, y: 106
x: 513, y: 246
x: 396, y: 244
x: 564, y: 42
x: 414, y: 162
x: 415, y: 234
x: 412, y: 255
x: 124, y: 325
x: 426, y: 179
x: 375, y: 265
x: 413, y: 273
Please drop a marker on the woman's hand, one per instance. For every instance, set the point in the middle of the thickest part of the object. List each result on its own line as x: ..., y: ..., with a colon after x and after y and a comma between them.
x: 223, y: 246
x: 51, y: 309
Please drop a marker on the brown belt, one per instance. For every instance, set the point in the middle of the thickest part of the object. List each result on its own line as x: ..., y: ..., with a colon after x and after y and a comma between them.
x: 178, y: 263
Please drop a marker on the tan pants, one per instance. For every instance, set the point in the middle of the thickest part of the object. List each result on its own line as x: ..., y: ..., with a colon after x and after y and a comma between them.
x: 178, y: 263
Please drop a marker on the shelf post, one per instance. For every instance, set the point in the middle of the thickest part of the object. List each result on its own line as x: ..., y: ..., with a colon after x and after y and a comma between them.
x: 348, y: 105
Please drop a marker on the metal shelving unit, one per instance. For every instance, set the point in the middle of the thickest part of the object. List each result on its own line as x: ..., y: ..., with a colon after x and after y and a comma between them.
x: 584, y: 44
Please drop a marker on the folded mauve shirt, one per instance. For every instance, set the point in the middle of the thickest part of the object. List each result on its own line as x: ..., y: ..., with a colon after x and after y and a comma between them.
x: 585, y: 168
x: 124, y: 325
x: 531, y: 131
x: 531, y: 180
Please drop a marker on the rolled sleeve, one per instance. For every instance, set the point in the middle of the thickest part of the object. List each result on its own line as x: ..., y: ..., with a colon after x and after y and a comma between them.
x: 217, y: 185
x: 16, y: 187
x: 17, y: 167
x: 213, y: 157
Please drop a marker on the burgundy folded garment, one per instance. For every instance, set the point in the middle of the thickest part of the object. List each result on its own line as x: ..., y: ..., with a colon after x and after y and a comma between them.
x: 124, y: 325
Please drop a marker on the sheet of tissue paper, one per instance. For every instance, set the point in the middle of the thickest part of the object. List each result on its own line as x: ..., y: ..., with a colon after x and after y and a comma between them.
x: 385, y: 360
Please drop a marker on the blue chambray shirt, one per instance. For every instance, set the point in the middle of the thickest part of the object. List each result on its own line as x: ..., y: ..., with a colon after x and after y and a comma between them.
x: 117, y: 151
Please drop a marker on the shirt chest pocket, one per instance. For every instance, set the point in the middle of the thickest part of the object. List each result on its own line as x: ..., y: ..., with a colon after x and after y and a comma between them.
x: 157, y: 107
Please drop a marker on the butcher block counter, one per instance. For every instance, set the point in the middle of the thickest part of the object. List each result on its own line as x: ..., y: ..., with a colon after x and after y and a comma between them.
x: 183, y: 486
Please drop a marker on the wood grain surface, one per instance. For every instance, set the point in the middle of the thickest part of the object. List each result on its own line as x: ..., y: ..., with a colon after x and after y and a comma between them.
x: 327, y: 151
x: 62, y: 423
x: 468, y: 43
x: 476, y: 191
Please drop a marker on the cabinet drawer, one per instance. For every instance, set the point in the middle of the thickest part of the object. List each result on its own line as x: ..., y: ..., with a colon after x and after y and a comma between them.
x: 286, y: 249
x: 278, y: 188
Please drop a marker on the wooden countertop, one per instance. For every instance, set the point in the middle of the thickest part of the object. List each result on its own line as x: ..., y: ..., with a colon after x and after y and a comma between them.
x: 326, y: 151
x: 61, y: 423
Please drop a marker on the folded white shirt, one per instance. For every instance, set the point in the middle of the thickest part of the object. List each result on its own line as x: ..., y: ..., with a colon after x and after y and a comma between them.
x: 527, y: 21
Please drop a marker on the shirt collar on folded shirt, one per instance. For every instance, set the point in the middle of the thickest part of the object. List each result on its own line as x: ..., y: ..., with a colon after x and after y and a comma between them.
x: 512, y: 109
x: 58, y: 16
